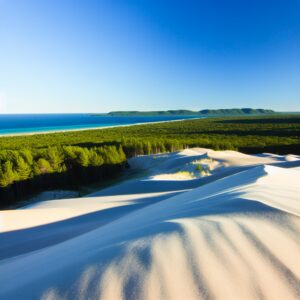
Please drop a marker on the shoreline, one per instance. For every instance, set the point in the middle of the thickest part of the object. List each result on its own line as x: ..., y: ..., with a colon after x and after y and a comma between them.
x: 91, y: 128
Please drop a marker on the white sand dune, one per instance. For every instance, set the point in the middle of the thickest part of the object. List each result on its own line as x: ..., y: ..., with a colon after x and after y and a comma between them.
x: 232, y: 235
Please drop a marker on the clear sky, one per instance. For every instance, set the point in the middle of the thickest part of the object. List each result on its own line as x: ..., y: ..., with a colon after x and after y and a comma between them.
x: 99, y: 56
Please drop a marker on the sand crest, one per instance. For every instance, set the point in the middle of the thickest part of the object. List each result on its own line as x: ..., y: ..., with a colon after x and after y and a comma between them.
x: 230, y: 233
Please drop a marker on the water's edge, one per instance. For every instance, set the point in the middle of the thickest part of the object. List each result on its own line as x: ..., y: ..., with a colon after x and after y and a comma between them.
x: 83, y: 127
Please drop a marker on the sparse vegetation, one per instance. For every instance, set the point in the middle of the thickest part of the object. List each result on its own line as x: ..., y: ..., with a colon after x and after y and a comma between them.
x: 184, y: 174
x: 199, y: 168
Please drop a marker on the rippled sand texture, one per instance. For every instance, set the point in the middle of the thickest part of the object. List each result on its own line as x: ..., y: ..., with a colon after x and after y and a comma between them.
x: 232, y: 235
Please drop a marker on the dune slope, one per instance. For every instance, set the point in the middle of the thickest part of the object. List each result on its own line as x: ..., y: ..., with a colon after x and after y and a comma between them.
x: 235, y: 237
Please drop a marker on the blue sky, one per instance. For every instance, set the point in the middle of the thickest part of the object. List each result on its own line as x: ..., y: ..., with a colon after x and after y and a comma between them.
x: 99, y: 56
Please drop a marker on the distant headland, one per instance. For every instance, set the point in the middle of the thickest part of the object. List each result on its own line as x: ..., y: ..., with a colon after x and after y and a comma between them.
x: 185, y: 112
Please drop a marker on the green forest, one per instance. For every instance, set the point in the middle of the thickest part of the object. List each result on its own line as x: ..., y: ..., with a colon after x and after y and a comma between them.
x: 33, y: 163
x: 204, y: 112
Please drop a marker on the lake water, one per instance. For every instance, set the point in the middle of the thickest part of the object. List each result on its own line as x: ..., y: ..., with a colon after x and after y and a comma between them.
x: 29, y: 123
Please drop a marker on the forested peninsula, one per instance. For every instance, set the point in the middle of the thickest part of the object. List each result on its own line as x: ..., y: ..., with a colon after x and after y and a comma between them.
x: 185, y: 112
x: 33, y: 163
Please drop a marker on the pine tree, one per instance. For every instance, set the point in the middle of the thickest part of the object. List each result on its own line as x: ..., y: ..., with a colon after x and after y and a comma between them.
x: 23, y: 169
x: 27, y: 156
x: 8, y: 175
x: 69, y: 152
x: 3, y: 182
x: 96, y: 159
x: 55, y: 159
x: 82, y: 157
x: 42, y: 166
x: 122, y: 155
x: 147, y: 148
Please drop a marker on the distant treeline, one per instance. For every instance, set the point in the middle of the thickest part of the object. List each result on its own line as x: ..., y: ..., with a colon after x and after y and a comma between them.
x: 204, y: 112
x: 61, y: 160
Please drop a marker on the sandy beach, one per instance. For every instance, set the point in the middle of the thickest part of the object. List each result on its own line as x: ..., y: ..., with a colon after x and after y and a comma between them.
x: 202, y: 224
x: 90, y: 128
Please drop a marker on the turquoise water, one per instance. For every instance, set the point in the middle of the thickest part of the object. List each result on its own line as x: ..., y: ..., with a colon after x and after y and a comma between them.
x: 30, y: 123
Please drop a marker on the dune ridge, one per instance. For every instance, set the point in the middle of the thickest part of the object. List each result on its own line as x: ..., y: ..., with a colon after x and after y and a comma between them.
x: 232, y: 235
